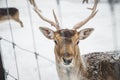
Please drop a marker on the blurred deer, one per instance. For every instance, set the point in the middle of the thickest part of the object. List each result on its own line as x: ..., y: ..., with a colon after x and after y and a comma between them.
x: 10, y: 13
x: 69, y: 63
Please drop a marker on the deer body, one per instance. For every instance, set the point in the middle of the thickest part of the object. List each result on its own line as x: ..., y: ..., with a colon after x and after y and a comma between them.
x: 94, y: 66
x: 10, y: 13
x: 98, y: 66
x: 70, y: 64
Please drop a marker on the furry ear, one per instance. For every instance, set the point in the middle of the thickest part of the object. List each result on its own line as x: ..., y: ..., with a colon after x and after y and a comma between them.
x: 85, y: 33
x: 47, y: 32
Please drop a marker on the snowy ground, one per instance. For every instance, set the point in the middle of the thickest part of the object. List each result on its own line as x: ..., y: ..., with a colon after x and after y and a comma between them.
x: 102, y: 39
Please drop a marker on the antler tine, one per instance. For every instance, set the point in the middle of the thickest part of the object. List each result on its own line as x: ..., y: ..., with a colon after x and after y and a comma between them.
x: 45, y: 19
x: 32, y: 2
x: 56, y: 20
x: 93, y: 13
x: 85, y: 0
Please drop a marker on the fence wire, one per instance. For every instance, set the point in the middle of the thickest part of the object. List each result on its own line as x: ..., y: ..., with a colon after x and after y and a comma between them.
x: 26, y: 50
x: 37, y: 55
x: 33, y: 37
x: 23, y: 49
x: 12, y: 38
x: 14, y: 45
x: 10, y: 75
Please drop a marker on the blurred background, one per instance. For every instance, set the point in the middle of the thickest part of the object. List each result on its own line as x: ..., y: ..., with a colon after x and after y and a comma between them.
x: 27, y: 55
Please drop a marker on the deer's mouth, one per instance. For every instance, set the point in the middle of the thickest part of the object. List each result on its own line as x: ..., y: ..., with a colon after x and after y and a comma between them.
x: 67, y: 61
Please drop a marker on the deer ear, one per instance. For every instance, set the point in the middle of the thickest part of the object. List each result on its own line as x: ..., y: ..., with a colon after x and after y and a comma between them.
x: 47, y: 32
x: 85, y: 33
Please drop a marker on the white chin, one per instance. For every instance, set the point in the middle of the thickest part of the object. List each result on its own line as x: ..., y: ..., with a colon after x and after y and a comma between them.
x: 67, y: 65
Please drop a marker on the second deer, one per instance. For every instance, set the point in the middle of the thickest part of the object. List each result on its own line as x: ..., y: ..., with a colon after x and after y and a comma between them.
x: 10, y: 13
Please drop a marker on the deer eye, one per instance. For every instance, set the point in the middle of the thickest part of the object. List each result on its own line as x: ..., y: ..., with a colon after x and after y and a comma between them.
x: 55, y: 41
x: 77, y: 42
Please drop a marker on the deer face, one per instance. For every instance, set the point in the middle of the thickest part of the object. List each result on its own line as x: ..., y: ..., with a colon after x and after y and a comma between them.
x: 66, y: 43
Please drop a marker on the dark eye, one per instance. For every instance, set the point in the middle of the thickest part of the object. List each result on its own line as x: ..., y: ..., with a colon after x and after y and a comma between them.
x: 55, y: 41
x: 77, y: 42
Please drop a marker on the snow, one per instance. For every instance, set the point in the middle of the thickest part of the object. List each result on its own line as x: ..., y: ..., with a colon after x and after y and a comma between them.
x: 102, y: 38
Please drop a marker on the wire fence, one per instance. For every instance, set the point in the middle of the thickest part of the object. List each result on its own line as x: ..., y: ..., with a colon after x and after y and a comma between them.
x: 23, y: 49
x: 11, y: 31
x: 14, y: 46
x: 33, y: 37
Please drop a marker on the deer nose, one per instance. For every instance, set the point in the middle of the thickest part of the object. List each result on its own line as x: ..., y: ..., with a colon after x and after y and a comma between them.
x: 67, y: 61
x: 67, y: 58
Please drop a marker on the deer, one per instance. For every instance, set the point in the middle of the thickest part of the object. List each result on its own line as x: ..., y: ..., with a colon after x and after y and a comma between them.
x: 70, y: 64
x: 10, y: 13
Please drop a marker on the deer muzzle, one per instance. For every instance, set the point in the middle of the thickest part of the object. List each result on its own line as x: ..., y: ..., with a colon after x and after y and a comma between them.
x: 67, y: 59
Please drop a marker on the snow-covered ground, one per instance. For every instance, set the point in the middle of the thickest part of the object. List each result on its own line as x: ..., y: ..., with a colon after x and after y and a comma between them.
x: 102, y: 39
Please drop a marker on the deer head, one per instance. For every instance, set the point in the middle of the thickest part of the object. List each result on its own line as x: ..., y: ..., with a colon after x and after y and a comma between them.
x: 66, y: 40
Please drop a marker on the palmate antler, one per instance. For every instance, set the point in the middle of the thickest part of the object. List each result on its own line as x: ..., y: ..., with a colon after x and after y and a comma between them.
x: 55, y: 24
x: 93, y: 13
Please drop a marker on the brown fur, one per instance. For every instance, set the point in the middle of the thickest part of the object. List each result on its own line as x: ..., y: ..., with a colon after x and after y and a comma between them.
x: 69, y: 63
x: 103, y: 66
x: 66, y: 33
x: 98, y: 66
x: 13, y: 14
x: 72, y: 66
x: 4, y: 11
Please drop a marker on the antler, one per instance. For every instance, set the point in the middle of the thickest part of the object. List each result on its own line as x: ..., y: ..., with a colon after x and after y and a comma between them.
x: 32, y: 2
x: 56, y: 25
x: 85, y: 0
x: 93, y: 13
